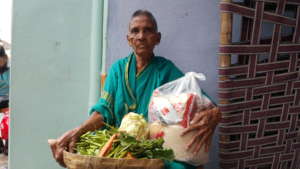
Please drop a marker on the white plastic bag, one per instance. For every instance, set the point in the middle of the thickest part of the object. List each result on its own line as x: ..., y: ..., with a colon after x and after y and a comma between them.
x: 172, y: 107
x: 176, y: 102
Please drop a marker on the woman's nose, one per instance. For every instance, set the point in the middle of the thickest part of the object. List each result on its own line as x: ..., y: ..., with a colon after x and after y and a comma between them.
x: 141, y: 35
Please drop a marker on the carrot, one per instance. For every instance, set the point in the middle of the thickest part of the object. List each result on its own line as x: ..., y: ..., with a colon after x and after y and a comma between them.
x: 108, y: 145
x: 129, y: 156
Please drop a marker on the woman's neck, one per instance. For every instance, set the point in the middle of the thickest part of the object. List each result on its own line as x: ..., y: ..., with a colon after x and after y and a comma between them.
x: 142, y: 62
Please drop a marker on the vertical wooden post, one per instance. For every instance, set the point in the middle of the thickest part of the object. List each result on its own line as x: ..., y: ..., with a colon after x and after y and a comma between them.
x: 225, y: 39
x: 226, y: 35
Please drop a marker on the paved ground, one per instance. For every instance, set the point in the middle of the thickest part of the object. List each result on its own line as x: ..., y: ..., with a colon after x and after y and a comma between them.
x: 3, y: 161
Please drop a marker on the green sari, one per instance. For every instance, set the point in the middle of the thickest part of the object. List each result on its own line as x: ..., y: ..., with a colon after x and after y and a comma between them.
x: 126, y: 91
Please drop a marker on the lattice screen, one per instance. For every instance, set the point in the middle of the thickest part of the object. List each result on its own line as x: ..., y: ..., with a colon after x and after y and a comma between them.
x: 259, y: 87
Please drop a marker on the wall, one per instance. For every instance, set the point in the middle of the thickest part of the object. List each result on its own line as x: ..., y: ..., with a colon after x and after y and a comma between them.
x: 56, y: 46
x: 53, y: 46
x: 190, y: 37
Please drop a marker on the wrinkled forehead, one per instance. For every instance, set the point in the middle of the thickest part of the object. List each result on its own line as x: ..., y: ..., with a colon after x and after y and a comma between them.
x: 141, y: 19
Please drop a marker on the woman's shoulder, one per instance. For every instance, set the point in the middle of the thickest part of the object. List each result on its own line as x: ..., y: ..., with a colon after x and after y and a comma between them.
x: 168, y: 71
x: 163, y: 62
x: 162, y: 59
x: 119, y: 64
x: 121, y: 61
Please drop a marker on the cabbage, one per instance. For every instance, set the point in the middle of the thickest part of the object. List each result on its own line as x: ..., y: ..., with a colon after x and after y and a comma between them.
x: 135, y: 125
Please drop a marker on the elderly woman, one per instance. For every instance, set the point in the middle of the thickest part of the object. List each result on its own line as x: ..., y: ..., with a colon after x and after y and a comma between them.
x: 129, y: 86
x: 4, y: 79
x: 4, y: 97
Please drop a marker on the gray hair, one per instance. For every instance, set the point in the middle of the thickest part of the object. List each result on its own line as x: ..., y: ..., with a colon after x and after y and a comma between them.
x: 141, y: 12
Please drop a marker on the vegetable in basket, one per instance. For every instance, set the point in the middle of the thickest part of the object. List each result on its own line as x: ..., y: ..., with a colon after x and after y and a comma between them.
x: 126, y: 142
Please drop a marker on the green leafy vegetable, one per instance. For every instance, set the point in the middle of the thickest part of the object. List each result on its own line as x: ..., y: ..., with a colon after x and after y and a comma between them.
x: 91, y: 142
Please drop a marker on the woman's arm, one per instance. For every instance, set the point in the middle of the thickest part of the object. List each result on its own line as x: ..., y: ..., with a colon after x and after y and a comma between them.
x: 68, y: 140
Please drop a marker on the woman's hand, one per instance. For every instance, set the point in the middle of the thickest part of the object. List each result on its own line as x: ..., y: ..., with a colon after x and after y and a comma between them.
x: 203, y: 124
x: 66, y: 142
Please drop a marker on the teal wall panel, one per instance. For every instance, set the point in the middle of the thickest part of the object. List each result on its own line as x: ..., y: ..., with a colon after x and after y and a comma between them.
x: 54, y: 68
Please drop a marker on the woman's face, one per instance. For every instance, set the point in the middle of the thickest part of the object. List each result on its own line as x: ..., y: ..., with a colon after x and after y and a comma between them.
x: 3, y: 62
x: 142, y: 36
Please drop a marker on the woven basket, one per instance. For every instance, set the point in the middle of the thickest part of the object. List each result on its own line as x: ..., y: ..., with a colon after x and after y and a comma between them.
x: 76, y: 161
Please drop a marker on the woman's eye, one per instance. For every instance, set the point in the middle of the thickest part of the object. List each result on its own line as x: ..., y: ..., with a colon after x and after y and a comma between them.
x: 149, y: 30
x: 134, y: 30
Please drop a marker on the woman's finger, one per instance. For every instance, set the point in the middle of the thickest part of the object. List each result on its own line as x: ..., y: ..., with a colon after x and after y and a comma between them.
x: 208, y: 141
x: 189, y: 129
x: 196, y: 138
x: 52, y: 143
x: 59, y: 156
x: 64, y: 139
x: 57, y: 151
x: 207, y: 146
x: 72, y: 146
x: 192, y: 128
x: 197, y: 117
x: 202, y: 142
x: 200, y: 116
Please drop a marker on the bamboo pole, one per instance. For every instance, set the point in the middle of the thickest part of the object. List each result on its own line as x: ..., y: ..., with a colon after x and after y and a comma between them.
x: 226, y: 35
x: 225, y: 60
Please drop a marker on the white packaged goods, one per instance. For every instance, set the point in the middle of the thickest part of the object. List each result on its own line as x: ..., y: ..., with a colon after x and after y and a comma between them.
x: 173, y: 140
x: 179, y: 144
x: 171, y: 108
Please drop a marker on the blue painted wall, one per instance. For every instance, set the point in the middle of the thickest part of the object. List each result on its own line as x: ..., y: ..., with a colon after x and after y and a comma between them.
x: 54, y: 74
x: 190, y: 38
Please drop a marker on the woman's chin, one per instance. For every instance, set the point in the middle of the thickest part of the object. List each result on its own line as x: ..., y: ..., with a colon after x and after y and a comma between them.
x: 142, y: 53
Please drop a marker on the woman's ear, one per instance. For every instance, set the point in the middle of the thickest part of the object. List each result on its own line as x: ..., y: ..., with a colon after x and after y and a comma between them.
x: 158, y: 37
x: 128, y: 40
